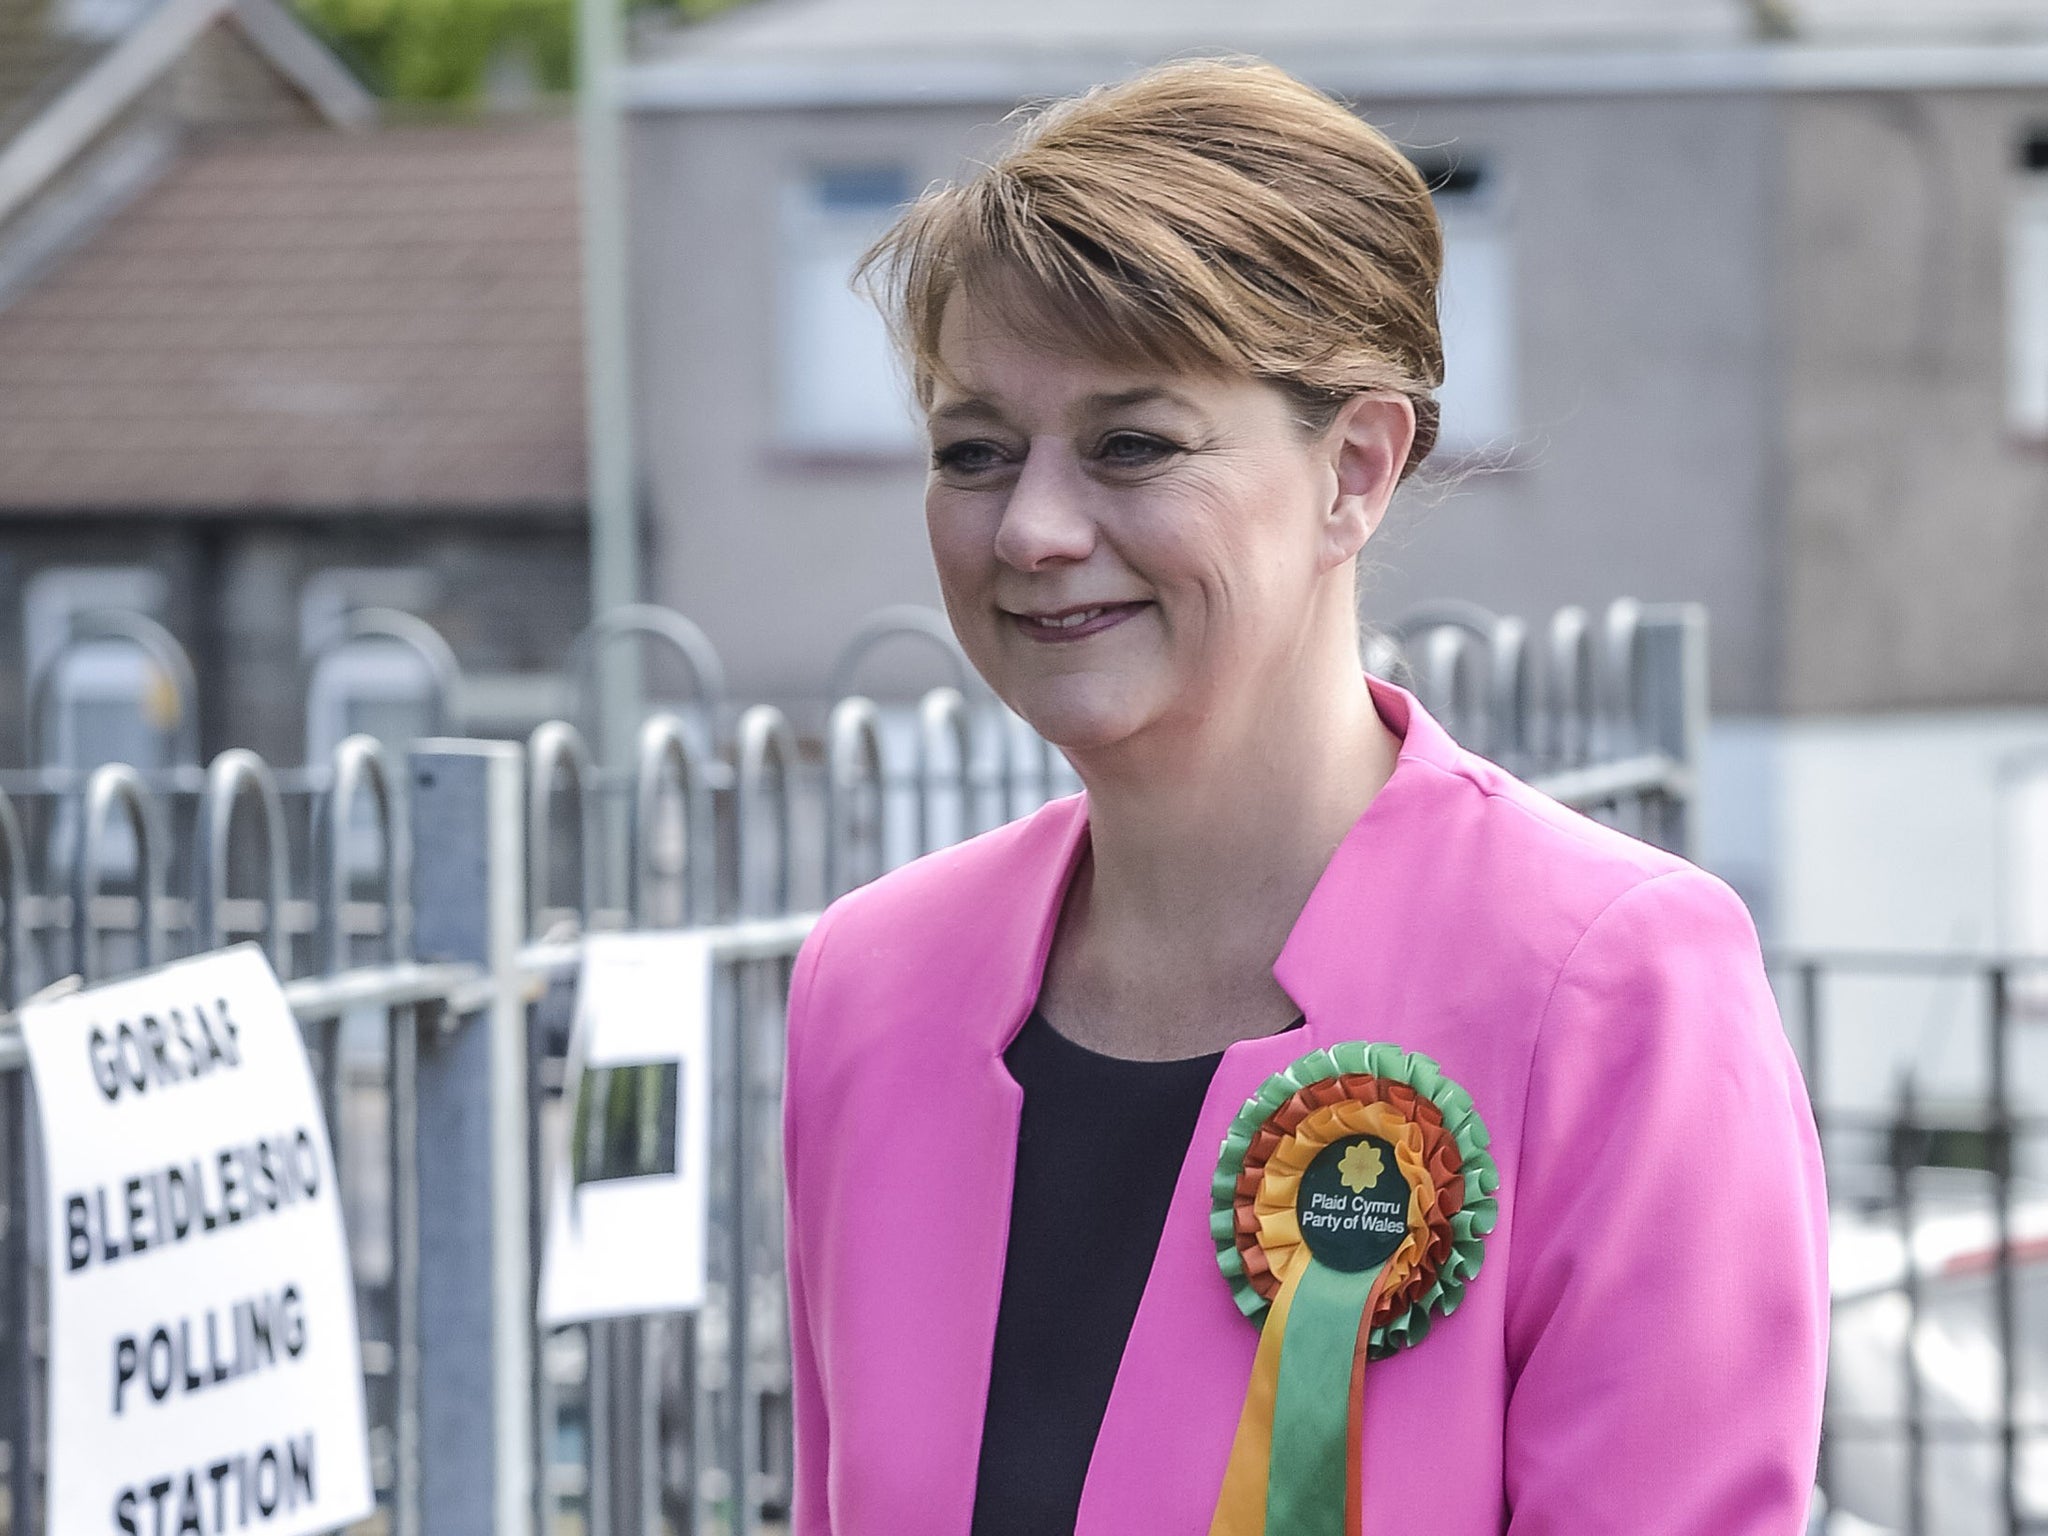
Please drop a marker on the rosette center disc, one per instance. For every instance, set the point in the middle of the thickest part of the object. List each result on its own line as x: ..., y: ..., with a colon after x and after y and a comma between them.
x: 1353, y: 1204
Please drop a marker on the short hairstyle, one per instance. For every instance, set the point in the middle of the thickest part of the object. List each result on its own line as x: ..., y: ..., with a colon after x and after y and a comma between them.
x: 1208, y: 215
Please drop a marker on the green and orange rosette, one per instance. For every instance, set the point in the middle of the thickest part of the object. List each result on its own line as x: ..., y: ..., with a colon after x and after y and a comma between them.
x: 1352, y: 1201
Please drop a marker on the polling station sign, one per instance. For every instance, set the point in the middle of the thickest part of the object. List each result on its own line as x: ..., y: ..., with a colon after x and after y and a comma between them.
x: 630, y: 1190
x: 205, y: 1374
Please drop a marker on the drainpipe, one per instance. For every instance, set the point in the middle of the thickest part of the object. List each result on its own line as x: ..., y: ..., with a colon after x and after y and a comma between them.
x: 607, y: 357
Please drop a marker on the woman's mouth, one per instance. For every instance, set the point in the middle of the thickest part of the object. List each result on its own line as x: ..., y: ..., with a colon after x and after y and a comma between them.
x: 1074, y: 623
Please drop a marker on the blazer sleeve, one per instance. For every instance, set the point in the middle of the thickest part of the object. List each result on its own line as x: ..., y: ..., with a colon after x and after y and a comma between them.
x: 1667, y: 1310
x: 809, y: 1496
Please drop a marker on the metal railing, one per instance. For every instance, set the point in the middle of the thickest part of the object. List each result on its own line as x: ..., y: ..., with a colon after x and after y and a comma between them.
x: 1937, y: 1157
x: 424, y: 909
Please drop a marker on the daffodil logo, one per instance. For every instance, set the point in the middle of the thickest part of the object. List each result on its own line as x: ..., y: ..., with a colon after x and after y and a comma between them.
x: 1361, y: 1168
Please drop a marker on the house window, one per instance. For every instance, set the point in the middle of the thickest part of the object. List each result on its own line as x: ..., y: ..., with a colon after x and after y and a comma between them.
x: 375, y: 687
x: 839, y: 387
x: 102, y: 701
x: 105, y: 701
x: 1475, y: 306
x: 2026, y: 291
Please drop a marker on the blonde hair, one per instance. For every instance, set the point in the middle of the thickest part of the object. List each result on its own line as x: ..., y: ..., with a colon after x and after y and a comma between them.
x: 1214, y: 216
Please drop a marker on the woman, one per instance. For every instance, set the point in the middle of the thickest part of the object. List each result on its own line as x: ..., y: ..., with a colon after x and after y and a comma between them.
x: 1177, y: 349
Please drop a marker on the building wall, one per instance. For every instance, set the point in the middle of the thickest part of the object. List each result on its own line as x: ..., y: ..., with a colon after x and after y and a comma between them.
x: 1641, y: 321
x: 1917, y: 525
x: 508, y: 596
x: 1640, y: 236
x: 778, y: 555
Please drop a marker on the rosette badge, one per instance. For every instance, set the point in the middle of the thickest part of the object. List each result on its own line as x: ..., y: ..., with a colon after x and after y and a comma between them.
x: 1352, y: 1201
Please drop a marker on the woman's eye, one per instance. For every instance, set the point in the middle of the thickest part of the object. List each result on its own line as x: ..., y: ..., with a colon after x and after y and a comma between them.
x: 1134, y: 450
x: 967, y: 458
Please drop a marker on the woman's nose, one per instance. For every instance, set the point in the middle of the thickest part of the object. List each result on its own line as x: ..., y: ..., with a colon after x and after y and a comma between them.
x: 1045, y: 518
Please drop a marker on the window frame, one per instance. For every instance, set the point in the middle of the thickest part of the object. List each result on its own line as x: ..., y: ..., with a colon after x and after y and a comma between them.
x: 812, y: 237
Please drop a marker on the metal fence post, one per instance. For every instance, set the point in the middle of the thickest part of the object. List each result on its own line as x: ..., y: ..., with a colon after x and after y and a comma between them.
x: 764, y: 808
x: 17, y: 1359
x: 18, y: 1384
x: 475, y: 1261
x: 856, y: 796
x: 20, y: 1373
x: 1907, y: 1152
x: 942, y: 729
x: 115, y: 786
x: 2005, y: 1292
x: 1671, y: 705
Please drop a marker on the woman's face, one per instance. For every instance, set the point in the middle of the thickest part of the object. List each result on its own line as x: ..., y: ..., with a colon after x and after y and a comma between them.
x: 1127, y: 553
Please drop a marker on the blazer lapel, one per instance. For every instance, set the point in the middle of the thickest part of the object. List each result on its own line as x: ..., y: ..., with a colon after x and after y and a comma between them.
x: 932, y: 1328
x: 1166, y: 1437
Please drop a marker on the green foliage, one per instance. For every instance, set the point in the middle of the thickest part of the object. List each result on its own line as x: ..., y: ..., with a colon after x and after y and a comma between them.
x: 443, y: 50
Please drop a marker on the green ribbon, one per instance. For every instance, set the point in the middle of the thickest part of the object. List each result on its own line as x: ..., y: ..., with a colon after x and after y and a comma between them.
x: 1311, y: 1404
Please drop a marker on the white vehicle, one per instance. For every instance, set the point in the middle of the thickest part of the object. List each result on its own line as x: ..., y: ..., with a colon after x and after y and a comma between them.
x: 1957, y: 1358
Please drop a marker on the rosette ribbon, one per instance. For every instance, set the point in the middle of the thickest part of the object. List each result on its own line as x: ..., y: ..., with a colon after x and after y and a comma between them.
x: 1352, y: 1200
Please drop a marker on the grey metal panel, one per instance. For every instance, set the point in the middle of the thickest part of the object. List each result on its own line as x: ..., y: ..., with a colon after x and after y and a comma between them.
x: 474, y: 1297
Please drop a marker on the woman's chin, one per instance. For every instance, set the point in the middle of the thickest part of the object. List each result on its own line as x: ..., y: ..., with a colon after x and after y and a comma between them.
x: 1081, y: 725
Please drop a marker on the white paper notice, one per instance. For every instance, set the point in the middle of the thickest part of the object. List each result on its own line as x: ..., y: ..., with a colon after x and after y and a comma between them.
x: 629, y: 1199
x: 205, y: 1374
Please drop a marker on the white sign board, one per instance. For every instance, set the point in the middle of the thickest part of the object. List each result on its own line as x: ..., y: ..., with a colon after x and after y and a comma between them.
x: 630, y: 1196
x: 205, y: 1374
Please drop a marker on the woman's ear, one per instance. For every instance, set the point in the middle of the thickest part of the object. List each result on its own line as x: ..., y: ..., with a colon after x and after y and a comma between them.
x: 1368, y: 444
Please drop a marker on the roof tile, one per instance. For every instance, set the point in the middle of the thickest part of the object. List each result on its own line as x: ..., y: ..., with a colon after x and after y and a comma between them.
x: 313, y: 320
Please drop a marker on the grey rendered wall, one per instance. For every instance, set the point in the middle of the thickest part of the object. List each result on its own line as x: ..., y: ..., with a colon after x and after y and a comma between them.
x: 777, y: 555
x: 1640, y: 236
x: 1918, y: 528
x: 1640, y: 229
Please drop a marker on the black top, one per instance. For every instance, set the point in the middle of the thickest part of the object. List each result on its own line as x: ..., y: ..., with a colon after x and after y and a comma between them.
x: 1080, y: 1251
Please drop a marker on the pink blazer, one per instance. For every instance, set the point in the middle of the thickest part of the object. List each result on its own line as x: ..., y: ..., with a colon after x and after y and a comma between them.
x: 1644, y: 1350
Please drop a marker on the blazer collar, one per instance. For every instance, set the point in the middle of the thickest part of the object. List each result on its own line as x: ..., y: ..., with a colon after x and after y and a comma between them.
x: 1325, y: 965
x: 1321, y: 964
